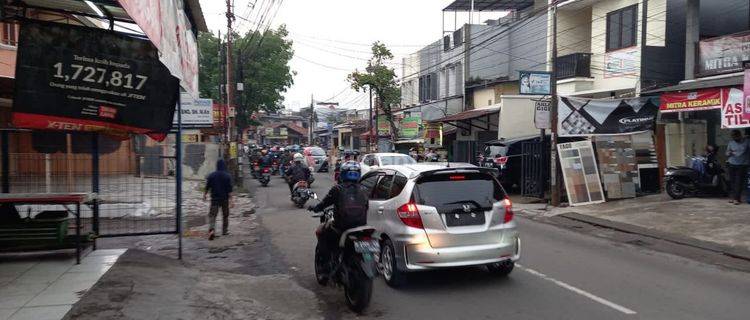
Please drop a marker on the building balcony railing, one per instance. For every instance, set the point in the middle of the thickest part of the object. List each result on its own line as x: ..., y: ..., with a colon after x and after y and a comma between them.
x: 573, y: 65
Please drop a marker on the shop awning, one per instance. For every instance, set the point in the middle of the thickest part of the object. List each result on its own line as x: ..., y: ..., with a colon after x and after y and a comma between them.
x: 735, y: 80
x: 471, y: 118
x: 468, y: 115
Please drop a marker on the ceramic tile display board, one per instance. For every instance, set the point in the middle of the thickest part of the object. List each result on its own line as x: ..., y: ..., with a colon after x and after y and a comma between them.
x: 617, y: 165
x: 580, y: 173
x: 645, y: 151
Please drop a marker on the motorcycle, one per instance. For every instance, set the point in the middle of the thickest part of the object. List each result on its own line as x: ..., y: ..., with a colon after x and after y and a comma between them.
x: 255, y: 169
x: 353, y: 263
x: 691, y: 181
x: 265, y: 177
x: 301, y: 194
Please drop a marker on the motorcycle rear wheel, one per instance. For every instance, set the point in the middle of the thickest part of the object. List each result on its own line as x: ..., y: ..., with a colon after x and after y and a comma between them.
x: 358, y: 291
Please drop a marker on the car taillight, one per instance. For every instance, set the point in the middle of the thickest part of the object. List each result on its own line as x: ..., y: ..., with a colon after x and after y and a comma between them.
x: 409, y: 215
x: 508, y: 216
x: 265, y: 170
x: 501, y: 160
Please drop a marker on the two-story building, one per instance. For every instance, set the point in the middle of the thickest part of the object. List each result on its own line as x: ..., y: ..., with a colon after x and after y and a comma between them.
x: 468, y: 81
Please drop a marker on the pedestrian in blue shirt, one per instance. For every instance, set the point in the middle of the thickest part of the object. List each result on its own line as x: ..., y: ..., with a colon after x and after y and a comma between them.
x: 738, y: 159
x: 219, y: 184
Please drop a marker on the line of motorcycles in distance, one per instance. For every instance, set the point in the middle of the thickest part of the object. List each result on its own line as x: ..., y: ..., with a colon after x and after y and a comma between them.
x: 301, y: 191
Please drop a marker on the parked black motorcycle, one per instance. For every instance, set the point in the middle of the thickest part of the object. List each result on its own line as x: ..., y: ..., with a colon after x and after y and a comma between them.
x: 703, y: 178
x: 353, y: 263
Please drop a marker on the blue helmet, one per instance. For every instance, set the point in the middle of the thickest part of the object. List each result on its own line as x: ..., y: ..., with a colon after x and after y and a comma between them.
x: 350, y: 171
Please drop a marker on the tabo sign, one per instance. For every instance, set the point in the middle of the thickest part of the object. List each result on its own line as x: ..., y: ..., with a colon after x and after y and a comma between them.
x: 542, y: 112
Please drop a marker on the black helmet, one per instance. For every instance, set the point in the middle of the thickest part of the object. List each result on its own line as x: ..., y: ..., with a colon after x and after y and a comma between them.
x: 350, y: 171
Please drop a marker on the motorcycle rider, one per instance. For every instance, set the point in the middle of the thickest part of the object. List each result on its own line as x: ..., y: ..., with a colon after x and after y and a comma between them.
x: 297, y: 172
x: 350, y: 203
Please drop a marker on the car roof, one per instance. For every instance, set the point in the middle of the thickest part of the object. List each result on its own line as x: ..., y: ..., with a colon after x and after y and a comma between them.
x: 412, y: 170
x: 387, y: 154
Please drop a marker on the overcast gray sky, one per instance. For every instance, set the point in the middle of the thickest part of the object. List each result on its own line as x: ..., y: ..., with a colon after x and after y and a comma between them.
x: 333, y: 37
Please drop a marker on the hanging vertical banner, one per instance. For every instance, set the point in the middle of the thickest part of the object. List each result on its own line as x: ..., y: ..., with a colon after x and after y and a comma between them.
x: 746, y: 113
x: 165, y: 24
x: 542, y: 114
x: 731, y: 112
x: 86, y: 79
x: 585, y: 117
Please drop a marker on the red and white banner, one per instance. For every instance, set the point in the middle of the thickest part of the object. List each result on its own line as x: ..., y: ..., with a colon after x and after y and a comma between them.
x: 165, y: 24
x: 704, y: 99
x: 731, y: 112
x: 746, y: 113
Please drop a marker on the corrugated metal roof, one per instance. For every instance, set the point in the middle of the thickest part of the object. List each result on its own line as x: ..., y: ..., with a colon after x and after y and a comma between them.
x: 702, y: 84
x: 489, y: 5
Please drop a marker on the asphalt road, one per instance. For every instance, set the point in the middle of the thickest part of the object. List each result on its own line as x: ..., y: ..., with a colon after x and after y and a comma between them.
x: 561, y: 275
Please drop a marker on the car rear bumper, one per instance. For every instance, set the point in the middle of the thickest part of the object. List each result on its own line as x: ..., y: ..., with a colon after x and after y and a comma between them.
x: 422, y: 256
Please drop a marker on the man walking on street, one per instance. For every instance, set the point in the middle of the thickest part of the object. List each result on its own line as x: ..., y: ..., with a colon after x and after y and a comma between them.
x: 219, y: 183
x: 738, y: 159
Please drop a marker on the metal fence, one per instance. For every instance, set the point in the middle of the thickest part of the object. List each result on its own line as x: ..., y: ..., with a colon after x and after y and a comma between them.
x: 534, y: 168
x: 134, y: 179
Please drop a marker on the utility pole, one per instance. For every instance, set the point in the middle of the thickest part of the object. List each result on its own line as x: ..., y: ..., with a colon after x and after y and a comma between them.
x: 231, y: 86
x: 230, y: 72
x: 554, y: 183
x: 370, y: 133
x: 312, y: 119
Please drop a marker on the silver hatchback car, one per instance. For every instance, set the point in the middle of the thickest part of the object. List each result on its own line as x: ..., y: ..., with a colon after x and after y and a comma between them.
x: 431, y: 216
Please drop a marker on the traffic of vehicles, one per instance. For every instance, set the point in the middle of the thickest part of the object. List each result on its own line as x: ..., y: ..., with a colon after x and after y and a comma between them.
x: 421, y: 216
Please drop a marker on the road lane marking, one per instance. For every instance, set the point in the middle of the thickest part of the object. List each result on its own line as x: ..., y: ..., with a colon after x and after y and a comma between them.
x: 578, y: 291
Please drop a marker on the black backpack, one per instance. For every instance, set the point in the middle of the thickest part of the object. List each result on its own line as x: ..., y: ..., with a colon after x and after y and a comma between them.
x: 352, y: 203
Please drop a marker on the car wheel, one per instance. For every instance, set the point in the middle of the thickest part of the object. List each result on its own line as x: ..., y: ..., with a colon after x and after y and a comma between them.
x: 502, y: 268
x: 393, y: 277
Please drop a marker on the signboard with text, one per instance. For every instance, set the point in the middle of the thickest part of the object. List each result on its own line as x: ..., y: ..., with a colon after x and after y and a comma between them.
x: 704, y: 99
x: 85, y: 79
x: 196, y: 113
x: 746, y: 113
x: 410, y: 127
x: 723, y: 54
x: 535, y: 82
x: 384, y: 127
x: 542, y: 114
x: 731, y: 112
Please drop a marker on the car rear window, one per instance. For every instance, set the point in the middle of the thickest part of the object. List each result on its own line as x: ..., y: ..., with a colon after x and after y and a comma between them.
x: 317, y: 152
x: 494, y: 151
x: 448, y: 192
x: 396, y: 160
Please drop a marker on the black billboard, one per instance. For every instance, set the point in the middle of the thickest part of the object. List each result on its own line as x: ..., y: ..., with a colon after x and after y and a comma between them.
x: 86, y: 79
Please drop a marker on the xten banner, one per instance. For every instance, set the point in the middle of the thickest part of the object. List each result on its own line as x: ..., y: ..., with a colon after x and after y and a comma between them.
x: 86, y: 79
x: 585, y: 117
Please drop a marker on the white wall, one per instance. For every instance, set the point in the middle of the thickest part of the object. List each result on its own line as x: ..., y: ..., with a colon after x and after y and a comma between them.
x: 517, y: 117
x: 607, y: 81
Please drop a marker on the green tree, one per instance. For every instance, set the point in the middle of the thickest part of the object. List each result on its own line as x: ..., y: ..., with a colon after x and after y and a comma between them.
x: 261, y: 63
x: 382, y: 80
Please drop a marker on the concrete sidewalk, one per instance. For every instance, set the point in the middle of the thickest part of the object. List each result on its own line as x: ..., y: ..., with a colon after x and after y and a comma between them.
x: 708, y: 223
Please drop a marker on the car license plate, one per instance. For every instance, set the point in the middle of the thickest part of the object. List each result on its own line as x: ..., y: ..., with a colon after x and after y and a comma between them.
x: 367, y: 246
x: 464, y: 219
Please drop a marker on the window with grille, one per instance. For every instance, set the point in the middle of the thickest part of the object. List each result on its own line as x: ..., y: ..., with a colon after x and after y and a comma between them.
x: 621, y: 28
x: 9, y: 36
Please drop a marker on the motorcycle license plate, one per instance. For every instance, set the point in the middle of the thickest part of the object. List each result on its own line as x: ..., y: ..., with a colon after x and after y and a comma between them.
x: 368, y: 246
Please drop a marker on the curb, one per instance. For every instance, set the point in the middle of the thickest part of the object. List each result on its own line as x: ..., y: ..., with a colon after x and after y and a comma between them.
x: 670, y: 237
